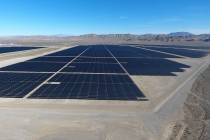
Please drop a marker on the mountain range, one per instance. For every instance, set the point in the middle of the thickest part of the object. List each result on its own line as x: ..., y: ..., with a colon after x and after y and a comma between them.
x: 186, y: 36
x: 176, y: 36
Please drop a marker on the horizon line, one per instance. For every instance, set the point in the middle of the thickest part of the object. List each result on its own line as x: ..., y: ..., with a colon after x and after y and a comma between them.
x: 76, y: 35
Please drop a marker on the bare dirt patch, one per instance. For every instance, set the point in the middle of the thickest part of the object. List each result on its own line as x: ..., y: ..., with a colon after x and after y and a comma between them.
x: 196, y: 123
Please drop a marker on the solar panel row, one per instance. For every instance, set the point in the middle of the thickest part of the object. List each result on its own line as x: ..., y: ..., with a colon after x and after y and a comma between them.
x: 34, y: 67
x: 95, y: 60
x: 52, y: 59
x: 181, y: 51
x: 16, y: 49
x: 16, y: 89
x: 23, y: 77
x: 91, y: 78
x: 88, y: 91
x: 199, y: 48
x: 97, y: 51
x: 155, y: 67
x: 126, y: 51
x: 93, y: 68
x: 17, y: 85
x: 91, y: 86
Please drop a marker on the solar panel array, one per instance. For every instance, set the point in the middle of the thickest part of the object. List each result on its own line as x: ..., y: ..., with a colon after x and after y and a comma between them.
x: 17, y: 85
x: 83, y: 72
x: 87, y: 72
x: 180, y: 51
x: 16, y: 49
x: 89, y: 86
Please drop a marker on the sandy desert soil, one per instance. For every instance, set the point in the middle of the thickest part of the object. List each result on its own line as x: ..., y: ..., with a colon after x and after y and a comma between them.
x: 196, y: 122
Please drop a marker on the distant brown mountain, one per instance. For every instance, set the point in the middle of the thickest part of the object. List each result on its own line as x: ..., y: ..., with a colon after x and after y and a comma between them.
x: 176, y: 36
x: 181, y: 34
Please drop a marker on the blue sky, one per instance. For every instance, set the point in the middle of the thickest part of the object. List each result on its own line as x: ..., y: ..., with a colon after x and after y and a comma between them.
x: 74, y: 17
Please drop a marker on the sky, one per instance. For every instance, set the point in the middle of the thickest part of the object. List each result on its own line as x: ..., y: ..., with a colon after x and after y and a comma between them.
x: 76, y: 17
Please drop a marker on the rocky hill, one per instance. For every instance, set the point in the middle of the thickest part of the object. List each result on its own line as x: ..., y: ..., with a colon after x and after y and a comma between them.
x: 177, y: 36
x: 183, y: 38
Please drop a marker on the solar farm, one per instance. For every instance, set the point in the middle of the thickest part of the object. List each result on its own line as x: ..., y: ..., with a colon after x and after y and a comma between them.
x: 15, y: 49
x: 98, y: 72
x: 88, y: 91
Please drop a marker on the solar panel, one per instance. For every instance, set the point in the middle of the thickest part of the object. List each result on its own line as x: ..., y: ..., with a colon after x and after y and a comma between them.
x: 52, y: 59
x: 94, y: 68
x: 91, y: 78
x: 100, y: 87
x: 23, y: 77
x: 95, y: 74
x: 145, y: 66
x: 16, y: 49
x: 182, y: 52
x: 34, y: 67
x: 16, y: 89
x: 126, y: 51
x: 97, y: 51
x: 17, y: 85
x: 95, y: 60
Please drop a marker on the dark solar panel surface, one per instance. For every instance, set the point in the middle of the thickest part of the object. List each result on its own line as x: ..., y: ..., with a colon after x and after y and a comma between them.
x: 34, y: 67
x: 97, y: 51
x: 205, y: 48
x: 16, y: 89
x: 91, y: 78
x: 52, y: 59
x: 155, y: 67
x: 16, y: 49
x: 17, y: 85
x: 126, y: 51
x: 100, y: 87
x: 182, y: 52
x: 94, y: 68
x: 95, y: 60
x: 23, y: 77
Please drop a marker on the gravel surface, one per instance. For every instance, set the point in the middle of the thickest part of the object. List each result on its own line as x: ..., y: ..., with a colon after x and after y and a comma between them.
x: 196, y: 123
